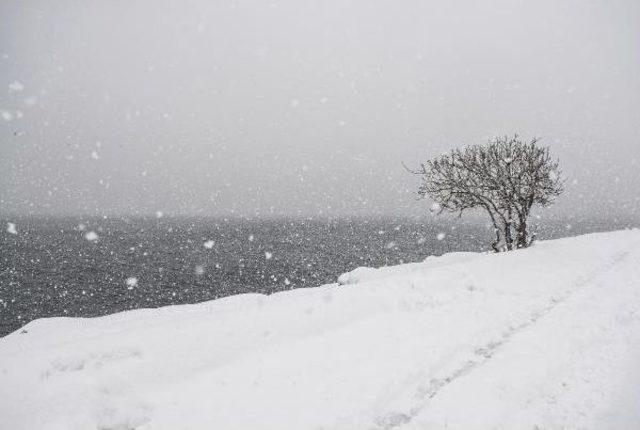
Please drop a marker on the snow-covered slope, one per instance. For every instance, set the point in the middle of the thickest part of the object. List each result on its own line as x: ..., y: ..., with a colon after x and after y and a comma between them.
x: 546, y: 337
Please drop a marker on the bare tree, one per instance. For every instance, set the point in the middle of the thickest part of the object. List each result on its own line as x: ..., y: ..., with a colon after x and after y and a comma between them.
x: 506, y: 178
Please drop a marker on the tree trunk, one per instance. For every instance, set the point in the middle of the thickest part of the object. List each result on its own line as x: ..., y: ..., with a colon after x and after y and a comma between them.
x: 495, y: 244
x: 521, y: 234
x: 507, y: 235
x: 496, y: 229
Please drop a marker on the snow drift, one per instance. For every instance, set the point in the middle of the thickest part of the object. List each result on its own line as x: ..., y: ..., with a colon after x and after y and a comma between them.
x: 548, y: 337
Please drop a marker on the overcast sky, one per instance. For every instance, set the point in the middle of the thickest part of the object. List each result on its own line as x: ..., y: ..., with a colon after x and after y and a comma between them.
x: 300, y: 107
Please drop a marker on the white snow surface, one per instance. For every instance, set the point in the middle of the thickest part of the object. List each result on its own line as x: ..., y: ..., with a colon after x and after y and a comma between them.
x: 547, y: 338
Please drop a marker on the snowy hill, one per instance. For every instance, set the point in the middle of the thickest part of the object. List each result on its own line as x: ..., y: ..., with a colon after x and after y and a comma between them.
x: 546, y: 337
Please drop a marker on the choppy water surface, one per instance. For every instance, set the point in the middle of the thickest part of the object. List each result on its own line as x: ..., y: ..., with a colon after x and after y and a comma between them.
x: 90, y: 267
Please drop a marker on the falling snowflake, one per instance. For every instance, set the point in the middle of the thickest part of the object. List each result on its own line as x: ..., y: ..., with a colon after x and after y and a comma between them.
x: 159, y: 214
x: 94, y: 155
x: 199, y: 270
x: 91, y: 236
x: 11, y: 228
x: 441, y: 236
x: 251, y: 238
x: 131, y: 282
x: 6, y: 115
x: 268, y: 255
x: 209, y: 244
x: 16, y: 86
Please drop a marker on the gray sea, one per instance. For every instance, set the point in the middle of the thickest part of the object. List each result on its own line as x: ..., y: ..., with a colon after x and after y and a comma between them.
x: 87, y: 267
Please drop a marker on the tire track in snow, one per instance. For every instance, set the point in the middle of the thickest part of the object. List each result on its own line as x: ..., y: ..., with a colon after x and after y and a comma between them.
x: 484, y: 353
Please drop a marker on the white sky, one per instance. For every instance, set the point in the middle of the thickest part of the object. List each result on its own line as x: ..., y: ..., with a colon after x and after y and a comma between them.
x: 301, y: 107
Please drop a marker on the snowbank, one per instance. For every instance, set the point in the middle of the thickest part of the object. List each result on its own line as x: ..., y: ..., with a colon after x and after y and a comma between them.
x: 363, y: 274
x: 547, y: 337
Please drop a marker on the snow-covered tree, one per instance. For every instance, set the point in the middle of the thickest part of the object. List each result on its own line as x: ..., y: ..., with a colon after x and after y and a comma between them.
x: 505, y: 177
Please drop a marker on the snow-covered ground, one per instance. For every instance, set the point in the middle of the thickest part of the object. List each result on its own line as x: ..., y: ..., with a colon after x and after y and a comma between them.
x: 547, y: 338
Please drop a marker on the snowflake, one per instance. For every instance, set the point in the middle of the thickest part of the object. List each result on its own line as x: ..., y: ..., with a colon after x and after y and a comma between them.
x: 16, y: 86
x: 11, y: 228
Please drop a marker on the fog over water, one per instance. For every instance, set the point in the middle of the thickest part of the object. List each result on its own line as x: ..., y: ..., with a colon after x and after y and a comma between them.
x: 297, y: 107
